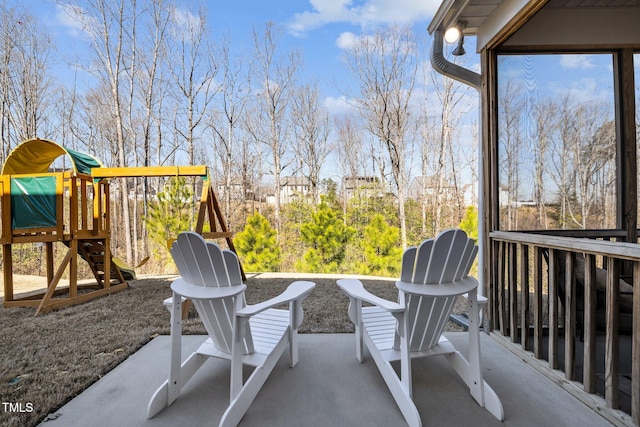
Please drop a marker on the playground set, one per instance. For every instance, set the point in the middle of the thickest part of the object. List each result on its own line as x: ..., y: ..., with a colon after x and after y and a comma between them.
x: 72, y: 207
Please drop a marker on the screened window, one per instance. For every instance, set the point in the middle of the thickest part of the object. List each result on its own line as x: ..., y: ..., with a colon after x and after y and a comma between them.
x: 556, y: 141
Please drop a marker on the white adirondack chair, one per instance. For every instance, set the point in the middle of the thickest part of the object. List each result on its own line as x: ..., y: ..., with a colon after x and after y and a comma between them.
x: 433, y: 275
x: 254, y: 335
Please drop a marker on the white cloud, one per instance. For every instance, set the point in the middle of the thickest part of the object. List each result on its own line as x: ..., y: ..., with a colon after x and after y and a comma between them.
x: 346, y: 40
x: 338, y: 106
x: 576, y: 61
x: 582, y: 90
x: 185, y: 21
x: 363, y: 13
x: 73, y: 19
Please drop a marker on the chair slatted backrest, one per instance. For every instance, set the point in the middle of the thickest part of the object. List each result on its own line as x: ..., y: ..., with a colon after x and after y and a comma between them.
x: 445, y: 259
x: 206, y: 264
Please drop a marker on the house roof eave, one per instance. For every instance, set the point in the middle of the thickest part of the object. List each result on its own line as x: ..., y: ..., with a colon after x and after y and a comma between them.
x: 490, y: 21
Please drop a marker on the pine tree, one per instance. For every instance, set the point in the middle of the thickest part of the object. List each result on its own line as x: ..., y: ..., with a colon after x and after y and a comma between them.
x: 257, y: 245
x: 326, y: 235
x: 167, y: 216
x: 469, y: 222
x: 381, y: 246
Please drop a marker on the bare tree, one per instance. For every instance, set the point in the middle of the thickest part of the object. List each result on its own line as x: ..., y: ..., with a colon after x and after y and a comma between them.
x: 26, y: 92
x: 443, y: 154
x: 311, y: 129
x: 270, y: 123
x: 233, y: 99
x: 193, y: 73
x: 385, y: 65
x: 544, y: 114
x: 107, y: 22
x: 592, y: 150
x: 350, y: 146
x: 147, y: 101
x: 510, y: 137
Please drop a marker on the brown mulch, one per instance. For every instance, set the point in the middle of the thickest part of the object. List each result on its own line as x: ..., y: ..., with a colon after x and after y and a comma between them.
x: 47, y: 360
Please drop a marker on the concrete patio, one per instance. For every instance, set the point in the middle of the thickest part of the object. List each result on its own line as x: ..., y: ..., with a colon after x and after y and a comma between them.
x: 327, y: 388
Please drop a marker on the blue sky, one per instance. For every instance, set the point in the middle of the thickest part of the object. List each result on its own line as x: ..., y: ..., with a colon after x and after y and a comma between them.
x: 317, y: 28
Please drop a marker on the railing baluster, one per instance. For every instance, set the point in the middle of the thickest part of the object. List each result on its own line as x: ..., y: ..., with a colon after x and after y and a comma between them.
x: 611, y: 347
x: 569, y: 316
x: 553, y: 310
x: 635, y: 352
x: 537, y: 303
x: 524, y: 290
x: 494, y: 308
x: 500, y: 288
x: 513, y: 292
x: 589, y: 376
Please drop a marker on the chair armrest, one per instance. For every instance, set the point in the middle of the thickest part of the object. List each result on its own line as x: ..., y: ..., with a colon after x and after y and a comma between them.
x: 355, y: 289
x: 295, y: 291
x: 188, y: 290
x: 482, y: 300
x: 458, y: 287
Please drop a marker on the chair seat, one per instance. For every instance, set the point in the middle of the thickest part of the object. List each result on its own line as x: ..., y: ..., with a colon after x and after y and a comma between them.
x: 380, y: 325
x: 381, y: 328
x: 267, y: 329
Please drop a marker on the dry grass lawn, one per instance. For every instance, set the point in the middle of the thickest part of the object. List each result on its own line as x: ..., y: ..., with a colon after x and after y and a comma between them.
x: 49, y: 359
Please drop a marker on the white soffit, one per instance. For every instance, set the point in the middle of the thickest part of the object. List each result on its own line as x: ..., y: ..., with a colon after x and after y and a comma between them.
x: 500, y: 18
x: 482, y: 18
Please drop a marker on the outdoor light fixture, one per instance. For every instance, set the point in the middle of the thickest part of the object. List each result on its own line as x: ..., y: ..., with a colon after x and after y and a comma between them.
x: 452, y: 35
x: 459, y: 50
x: 455, y: 34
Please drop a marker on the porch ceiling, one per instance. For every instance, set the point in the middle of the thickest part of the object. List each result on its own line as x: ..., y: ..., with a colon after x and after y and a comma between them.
x: 476, y: 14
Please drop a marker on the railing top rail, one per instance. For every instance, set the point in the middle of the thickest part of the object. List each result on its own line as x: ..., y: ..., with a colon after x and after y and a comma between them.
x: 622, y: 250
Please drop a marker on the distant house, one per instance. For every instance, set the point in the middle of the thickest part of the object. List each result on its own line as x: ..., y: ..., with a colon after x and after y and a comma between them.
x: 360, y: 185
x: 292, y: 187
x: 236, y: 190
x: 426, y: 187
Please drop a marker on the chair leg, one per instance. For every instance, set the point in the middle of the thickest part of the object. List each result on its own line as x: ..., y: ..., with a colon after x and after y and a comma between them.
x: 175, y: 383
x: 247, y: 393
x: 397, y: 387
x: 471, y: 370
x: 355, y: 314
x: 179, y: 373
x: 405, y: 357
x: 295, y: 320
x: 476, y: 386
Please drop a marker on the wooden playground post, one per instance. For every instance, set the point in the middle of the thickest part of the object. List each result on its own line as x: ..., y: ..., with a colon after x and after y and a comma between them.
x: 7, y: 272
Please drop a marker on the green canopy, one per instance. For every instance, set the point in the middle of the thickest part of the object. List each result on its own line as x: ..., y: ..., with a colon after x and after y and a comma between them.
x: 33, y: 202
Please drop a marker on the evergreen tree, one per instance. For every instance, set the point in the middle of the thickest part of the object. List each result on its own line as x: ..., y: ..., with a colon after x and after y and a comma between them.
x: 382, y: 250
x: 469, y: 222
x: 257, y: 245
x: 326, y: 236
x: 167, y: 216
x: 361, y: 207
x: 295, y: 214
